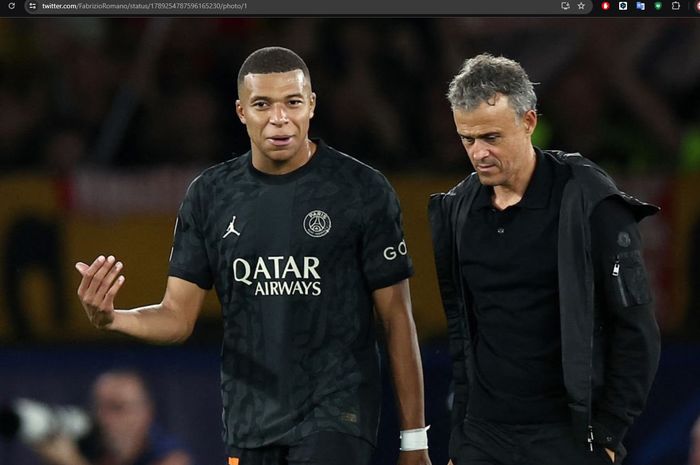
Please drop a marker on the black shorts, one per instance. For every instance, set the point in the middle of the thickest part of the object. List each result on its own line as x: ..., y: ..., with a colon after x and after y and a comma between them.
x: 322, y: 448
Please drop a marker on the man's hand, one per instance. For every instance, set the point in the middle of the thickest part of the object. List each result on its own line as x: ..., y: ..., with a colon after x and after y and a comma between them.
x: 100, y: 284
x: 611, y: 454
x: 414, y: 457
x: 59, y: 450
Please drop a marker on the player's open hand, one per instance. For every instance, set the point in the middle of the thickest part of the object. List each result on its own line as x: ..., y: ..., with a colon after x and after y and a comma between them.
x: 414, y: 457
x: 100, y: 284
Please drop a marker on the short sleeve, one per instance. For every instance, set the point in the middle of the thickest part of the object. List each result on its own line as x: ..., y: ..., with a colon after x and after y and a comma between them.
x: 385, y: 258
x: 188, y: 257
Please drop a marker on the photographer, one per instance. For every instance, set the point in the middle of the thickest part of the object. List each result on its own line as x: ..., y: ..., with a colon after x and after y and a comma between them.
x: 123, y: 432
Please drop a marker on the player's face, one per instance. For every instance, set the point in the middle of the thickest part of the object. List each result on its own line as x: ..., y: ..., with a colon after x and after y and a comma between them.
x: 276, y: 109
x: 497, y: 141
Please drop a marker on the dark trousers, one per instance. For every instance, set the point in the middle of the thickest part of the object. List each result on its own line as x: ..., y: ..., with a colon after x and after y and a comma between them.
x: 322, y: 448
x: 486, y: 443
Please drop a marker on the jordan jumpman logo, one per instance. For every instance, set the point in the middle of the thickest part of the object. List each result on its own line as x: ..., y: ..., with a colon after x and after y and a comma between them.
x: 231, y: 228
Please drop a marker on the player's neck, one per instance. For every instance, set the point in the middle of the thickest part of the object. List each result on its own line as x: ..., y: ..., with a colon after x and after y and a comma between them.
x: 270, y: 166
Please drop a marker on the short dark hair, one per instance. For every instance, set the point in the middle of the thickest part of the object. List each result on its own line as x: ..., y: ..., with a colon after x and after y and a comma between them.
x: 272, y: 60
x: 484, y: 76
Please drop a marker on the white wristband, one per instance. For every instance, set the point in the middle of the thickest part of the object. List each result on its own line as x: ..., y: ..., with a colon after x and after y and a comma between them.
x: 414, y: 439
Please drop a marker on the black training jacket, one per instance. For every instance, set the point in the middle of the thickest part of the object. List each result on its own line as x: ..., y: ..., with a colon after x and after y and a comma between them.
x: 619, y: 361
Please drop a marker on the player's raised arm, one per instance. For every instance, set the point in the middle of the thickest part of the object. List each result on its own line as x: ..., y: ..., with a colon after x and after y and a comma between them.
x: 170, y: 321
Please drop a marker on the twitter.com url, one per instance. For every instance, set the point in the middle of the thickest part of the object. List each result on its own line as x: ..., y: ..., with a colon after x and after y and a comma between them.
x: 135, y: 7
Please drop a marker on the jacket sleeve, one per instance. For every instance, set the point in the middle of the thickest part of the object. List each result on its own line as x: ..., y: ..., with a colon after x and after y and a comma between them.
x: 453, y: 304
x: 625, y: 321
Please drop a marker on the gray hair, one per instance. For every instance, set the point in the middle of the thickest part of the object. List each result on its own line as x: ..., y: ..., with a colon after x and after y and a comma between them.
x: 484, y: 76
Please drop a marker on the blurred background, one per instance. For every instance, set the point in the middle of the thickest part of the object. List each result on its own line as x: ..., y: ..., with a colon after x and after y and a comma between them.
x: 104, y: 122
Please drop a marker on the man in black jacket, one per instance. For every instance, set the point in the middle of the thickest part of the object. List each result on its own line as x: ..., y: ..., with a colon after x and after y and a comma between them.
x: 538, y: 253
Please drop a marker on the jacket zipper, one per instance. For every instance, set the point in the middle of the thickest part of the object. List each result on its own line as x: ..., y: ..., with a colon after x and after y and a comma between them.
x: 618, y: 281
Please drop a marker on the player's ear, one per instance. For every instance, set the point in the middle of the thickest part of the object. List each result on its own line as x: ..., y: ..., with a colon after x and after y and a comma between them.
x: 312, y: 104
x: 240, y: 112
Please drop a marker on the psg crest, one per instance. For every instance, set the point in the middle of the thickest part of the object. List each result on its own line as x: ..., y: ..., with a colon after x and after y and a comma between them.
x: 317, y: 223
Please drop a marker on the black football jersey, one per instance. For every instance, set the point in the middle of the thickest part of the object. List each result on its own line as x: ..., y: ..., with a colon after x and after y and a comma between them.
x: 294, y: 259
